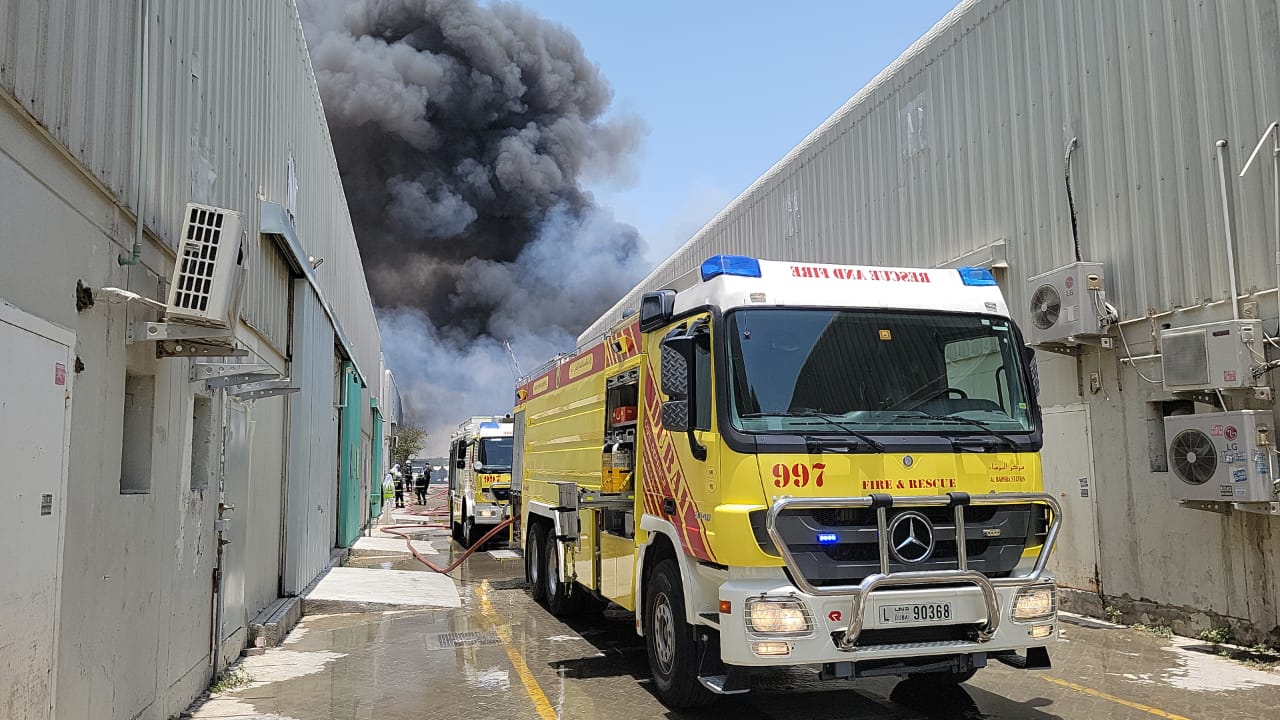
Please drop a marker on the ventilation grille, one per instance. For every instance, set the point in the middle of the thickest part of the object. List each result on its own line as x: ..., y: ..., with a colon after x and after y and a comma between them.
x: 1046, y: 305
x: 198, y: 259
x: 1195, y: 459
x: 1184, y: 359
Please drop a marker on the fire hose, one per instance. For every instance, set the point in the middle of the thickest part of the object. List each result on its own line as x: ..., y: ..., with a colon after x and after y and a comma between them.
x: 408, y: 541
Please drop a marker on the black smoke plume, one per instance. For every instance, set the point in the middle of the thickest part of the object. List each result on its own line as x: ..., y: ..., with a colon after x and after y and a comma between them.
x: 463, y: 133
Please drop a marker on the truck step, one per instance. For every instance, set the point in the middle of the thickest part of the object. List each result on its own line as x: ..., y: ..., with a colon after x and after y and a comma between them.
x: 737, y: 682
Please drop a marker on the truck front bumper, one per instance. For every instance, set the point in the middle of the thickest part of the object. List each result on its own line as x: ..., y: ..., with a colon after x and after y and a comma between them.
x: 884, y: 634
x: 887, y: 614
x: 491, y: 513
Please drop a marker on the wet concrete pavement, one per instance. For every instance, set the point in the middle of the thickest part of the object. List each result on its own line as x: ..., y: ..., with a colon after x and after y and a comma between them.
x: 503, y: 656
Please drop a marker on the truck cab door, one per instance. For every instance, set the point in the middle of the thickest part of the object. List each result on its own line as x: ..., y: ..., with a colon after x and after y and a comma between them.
x: 679, y: 478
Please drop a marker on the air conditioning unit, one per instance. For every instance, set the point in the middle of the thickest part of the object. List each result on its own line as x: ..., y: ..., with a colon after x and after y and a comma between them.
x: 1066, y: 304
x: 1223, y: 456
x: 205, y: 288
x: 1213, y: 356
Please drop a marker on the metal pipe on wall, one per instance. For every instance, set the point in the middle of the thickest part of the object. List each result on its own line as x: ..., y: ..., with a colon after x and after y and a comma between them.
x: 1221, y: 146
x: 1274, y: 131
x: 140, y: 136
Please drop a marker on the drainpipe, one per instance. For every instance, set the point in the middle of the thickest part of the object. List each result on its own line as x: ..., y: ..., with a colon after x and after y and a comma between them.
x: 1221, y: 145
x: 1274, y: 131
x: 220, y: 527
x: 139, y: 136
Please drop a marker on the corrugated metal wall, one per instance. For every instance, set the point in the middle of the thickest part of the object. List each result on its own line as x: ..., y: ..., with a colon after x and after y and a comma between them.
x: 312, y: 468
x: 960, y: 142
x: 226, y: 84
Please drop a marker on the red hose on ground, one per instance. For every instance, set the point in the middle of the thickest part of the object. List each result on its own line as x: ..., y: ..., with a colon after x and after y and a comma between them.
x: 408, y: 541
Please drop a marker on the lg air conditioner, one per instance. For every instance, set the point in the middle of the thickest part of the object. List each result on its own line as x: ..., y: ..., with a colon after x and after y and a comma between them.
x: 1066, y: 304
x: 1222, y: 456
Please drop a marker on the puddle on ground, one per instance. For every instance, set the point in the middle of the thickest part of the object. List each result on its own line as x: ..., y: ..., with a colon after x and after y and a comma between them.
x: 1209, y: 673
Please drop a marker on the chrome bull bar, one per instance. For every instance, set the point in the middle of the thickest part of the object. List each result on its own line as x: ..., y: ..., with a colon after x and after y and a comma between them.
x: 962, y: 574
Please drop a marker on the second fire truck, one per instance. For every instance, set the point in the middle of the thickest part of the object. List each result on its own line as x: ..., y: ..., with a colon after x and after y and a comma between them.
x: 479, y: 477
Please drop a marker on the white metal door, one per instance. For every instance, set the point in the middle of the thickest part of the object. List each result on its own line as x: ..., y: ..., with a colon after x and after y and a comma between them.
x: 35, y: 409
x: 1068, y: 475
x: 235, y: 493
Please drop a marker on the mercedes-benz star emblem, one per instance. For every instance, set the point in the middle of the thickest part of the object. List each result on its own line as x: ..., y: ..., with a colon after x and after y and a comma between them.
x: 911, y: 537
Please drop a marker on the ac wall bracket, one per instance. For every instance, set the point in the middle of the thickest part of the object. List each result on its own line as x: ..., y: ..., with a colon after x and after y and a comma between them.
x: 152, y: 331
x: 1223, y: 508
x: 219, y: 375
x: 1077, y: 345
x: 1258, y: 508
x: 264, y: 389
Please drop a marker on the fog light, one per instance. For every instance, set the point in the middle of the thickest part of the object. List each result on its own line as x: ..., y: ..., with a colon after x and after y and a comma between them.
x: 1035, y: 603
x: 487, y: 513
x: 777, y: 617
x: 1041, y: 631
x: 771, y: 648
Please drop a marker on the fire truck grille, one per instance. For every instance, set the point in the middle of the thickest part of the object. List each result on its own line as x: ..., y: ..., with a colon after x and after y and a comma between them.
x: 995, y: 536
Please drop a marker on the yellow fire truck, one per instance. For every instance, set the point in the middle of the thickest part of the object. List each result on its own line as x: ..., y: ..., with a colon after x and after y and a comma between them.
x: 780, y: 463
x: 479, y: 477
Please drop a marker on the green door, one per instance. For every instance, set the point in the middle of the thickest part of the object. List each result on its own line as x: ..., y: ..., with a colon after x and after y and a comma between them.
x: 349, y: 500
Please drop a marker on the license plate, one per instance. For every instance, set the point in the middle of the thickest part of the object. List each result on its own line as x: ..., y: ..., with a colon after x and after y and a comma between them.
x: 915, y: 613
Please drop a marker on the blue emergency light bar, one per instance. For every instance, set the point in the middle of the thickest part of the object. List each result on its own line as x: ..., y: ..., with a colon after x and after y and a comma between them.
x: 828, y: 538
x: 976, y: 276
x: 739, y: 265
x: 490, y: 425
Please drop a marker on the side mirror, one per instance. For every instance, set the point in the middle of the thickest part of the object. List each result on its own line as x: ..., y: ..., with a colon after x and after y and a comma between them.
x: 477, y: 466
x: 656, y: 309
x: 675, y: 415
x: 677, y: 363
x: 1033, y: 368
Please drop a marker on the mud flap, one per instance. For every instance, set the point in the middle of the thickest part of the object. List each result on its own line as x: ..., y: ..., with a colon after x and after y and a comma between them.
x: 714, y: 675
x: 1037, y: 658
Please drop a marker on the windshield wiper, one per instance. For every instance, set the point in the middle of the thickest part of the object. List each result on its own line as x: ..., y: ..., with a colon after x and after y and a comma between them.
x: 958, y: 420
x: 826, y: 417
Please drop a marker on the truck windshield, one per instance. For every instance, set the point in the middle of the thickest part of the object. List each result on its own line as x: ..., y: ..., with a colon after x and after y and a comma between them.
x: 494, y: 454
x: 873, y: 371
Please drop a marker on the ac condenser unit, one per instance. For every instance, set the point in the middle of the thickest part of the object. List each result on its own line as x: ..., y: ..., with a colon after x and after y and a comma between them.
x: 1217, y: 456
x: 1066, y: 303
x: 207, y: 277
x: 1214, y: 356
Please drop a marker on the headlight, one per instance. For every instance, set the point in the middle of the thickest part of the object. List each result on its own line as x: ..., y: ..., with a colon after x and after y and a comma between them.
x: 1035, y: 603
x: 487, y: 513
x: 777, y: 617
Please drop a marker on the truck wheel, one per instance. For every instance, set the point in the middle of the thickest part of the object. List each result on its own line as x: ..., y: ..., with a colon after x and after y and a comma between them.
x: 562, y: 598
x: 534, y: 539
x: 945, y: 678
x: 672, y: 646
x: 469, y: 532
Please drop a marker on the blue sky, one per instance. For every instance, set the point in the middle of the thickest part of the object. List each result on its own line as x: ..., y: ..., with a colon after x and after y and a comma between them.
x: 726, y: 89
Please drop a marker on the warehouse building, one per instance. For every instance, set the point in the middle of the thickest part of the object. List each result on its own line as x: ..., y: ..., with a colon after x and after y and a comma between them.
x: 174, y: 468
x: 958, y: 154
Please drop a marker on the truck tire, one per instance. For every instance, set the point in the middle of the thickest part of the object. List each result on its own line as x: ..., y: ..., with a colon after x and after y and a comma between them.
x: 562, y: 598
x: 670, y: 640
x: 470, y: 533
x: 534, y: 540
